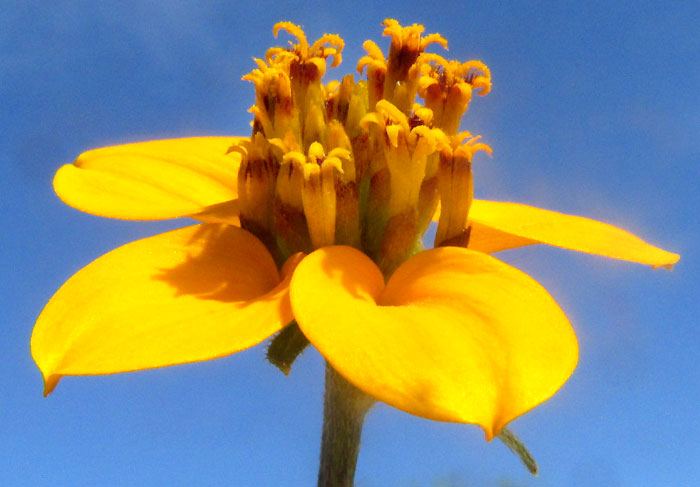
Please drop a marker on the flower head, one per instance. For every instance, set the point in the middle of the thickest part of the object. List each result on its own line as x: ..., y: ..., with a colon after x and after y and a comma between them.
x: 317, y: 219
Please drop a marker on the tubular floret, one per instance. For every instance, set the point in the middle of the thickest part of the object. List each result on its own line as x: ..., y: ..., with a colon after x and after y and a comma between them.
x: 359, y: 163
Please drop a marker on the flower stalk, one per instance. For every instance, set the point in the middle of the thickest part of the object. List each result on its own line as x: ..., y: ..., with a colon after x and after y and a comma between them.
x: 344, y: 410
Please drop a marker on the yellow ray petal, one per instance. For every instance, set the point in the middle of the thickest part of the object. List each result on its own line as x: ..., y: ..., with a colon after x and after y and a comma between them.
x: 500, y: 226
x: 192, y: 294
x: 227, y: 212
x: 456, y: 335
x: 151, y: 180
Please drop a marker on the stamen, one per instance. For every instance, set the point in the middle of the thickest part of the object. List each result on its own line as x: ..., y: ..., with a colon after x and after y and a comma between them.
x: 425, y: 115
x: 338, y: 97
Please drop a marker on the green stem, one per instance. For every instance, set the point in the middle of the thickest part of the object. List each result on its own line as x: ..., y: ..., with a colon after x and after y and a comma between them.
x: 344, y: 409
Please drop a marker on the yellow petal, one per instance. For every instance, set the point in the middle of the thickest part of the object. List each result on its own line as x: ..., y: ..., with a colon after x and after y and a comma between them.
x: 456, y: 335
x: 196, y: 293
x: 500, y: 226
x: 227, y: 212
x: 151, y: 180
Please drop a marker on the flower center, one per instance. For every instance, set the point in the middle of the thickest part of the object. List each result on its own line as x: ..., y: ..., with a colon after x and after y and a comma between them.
x: 359, y: 163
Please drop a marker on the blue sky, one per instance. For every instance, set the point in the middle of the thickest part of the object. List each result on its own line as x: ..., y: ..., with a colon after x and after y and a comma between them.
x: 595, y: 111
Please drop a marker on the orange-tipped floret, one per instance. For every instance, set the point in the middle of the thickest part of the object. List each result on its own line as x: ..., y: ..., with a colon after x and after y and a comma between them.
x: 394, y: 78
x: 456, y: 187
x: 304, y: 61
x: 447, y: 87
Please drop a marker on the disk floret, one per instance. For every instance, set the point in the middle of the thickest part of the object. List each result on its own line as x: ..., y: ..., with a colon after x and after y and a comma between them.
x: 456, y: 187
x: 358, y: 163
x: 447, y: 88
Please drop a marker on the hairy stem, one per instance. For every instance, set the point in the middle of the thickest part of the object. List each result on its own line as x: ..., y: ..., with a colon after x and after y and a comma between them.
x: 344, y: 409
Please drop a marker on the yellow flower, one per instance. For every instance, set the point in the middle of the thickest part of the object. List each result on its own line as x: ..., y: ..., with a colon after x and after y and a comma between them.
x: 318, y: 218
